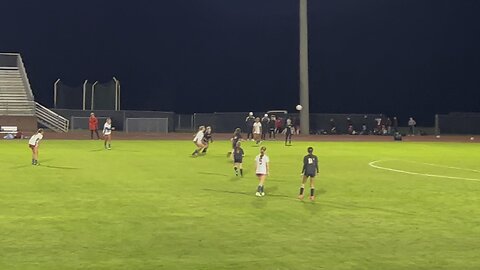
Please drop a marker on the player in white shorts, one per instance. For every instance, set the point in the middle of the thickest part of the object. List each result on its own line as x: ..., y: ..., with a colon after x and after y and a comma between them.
x: 33, y: 144
x: 262, y: 168
x: 198, y: 141
x: 107, y: 133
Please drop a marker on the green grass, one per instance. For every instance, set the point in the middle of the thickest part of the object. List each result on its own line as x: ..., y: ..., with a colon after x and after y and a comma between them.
x: 149, y: 205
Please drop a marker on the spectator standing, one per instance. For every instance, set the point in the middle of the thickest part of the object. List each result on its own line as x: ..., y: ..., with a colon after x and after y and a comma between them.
x: 257, y: 130
x: 364, y: 126
x: 395, y: 124
x: 388, y: 123
x: 265, y: 121
x: 249, y: 125
x: 93, y: 125
x: 296, y: 124
x: 278, y: 125
x: 271, y: 127
x: 411, y: 125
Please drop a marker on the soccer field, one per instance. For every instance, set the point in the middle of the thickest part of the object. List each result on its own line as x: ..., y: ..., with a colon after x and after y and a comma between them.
x: 149, y: 205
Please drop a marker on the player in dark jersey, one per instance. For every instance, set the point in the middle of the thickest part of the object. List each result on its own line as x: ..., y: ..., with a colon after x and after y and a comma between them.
x: 310, y: 170
x: 207, y: 138
x: 237, y: 136
x: 238, y: 155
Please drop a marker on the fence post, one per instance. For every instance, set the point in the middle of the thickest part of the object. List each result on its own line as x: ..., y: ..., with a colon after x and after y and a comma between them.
x: 84, y: 93
x: 55, y: 90
x: 437, y: 127
x: 93, y: 93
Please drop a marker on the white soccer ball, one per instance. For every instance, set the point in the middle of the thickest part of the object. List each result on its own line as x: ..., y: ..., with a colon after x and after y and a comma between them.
x: 438, y: 136
x: 299, y: 107
x: 472, y: 138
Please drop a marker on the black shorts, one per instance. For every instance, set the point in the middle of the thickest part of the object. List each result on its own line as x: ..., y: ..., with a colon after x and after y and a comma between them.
x: 310, y: 174
x: 237, y: 160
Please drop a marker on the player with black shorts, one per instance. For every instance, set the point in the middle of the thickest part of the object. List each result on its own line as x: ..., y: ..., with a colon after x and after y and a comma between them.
x: 237, y: 136
x: 238, y: 155
x: 310, y: 170
x: 207, y: 138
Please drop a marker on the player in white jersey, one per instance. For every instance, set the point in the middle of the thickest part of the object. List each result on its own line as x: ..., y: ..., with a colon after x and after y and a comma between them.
x: 33, y: 144
x: 257, y: 130
x: 107, y: 133
x: 262, y: 168
x: 198, y: 141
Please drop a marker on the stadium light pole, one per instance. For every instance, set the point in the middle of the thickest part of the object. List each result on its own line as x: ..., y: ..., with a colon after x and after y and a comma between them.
x: 304, y: 91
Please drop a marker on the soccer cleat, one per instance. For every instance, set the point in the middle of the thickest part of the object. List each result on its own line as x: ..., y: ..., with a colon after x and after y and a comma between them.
x: 258, y: 194
x: 263, y: 194
x: 236, y: 173
x: 312, y: 198
x: 301, y: 196
x: 109, y: 148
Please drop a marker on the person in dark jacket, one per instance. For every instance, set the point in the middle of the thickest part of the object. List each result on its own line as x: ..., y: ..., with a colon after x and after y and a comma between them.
x: 265, y: 121
x: 249, y: 125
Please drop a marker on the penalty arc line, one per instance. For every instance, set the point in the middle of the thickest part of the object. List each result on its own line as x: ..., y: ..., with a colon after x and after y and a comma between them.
x: 372, y: 164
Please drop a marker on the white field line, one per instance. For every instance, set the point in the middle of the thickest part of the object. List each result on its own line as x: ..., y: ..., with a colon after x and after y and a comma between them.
x: 372, y: 164
x: 448, y: 167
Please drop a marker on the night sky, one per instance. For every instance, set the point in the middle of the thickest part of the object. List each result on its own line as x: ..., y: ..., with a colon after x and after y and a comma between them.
x: 399, y: 57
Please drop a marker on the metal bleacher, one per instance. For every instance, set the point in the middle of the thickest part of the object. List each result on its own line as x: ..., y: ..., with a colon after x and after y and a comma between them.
x: 16, y: 98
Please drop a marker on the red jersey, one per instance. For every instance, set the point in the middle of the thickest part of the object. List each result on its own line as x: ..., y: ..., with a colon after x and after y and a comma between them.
x: 92, y: 123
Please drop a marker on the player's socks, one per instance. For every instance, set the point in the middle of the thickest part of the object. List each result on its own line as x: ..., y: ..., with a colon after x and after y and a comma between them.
x: 301, y: 190
x: 241, y: 172
x: 33, y: 161
x: 312, y: 194
x: 236, y: 171
x: 195, y: 152
x: 259, y: 188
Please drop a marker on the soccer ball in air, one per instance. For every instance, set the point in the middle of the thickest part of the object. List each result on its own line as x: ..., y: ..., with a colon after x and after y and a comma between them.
x: 299, y: 107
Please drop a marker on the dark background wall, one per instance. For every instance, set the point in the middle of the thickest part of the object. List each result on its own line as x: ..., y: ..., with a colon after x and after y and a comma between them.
x: 401, y: 58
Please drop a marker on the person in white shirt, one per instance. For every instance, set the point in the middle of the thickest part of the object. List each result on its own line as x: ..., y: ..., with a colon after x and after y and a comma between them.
x: 411, y: 124
x: 262, y: 168
x: 107, y: 133
x: 198, y: 141
x: 257, y: 130
x: 33, y: 144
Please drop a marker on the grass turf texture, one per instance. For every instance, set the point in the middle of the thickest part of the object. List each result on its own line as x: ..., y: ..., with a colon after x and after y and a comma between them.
x: 149, y: 205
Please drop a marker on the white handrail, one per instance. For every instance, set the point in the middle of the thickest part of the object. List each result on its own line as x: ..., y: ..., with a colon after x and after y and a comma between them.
x: 117, y: 85
x: 55, y: 90
x: 93, y: 93
x: 51, y: 119
x: 84, y: 93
